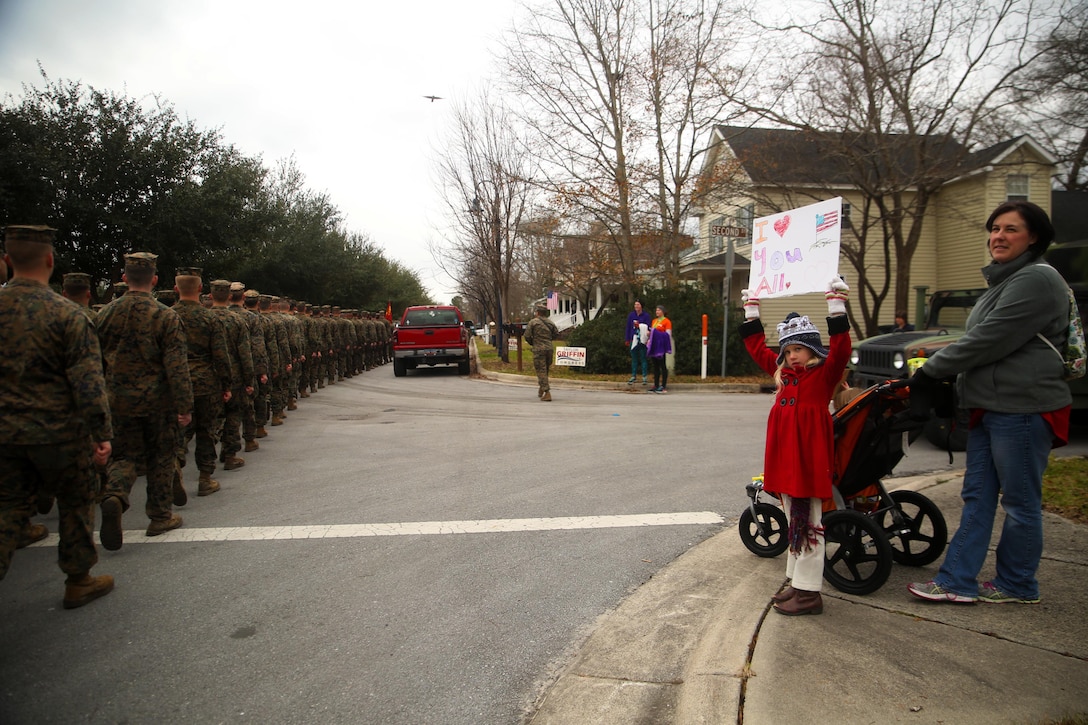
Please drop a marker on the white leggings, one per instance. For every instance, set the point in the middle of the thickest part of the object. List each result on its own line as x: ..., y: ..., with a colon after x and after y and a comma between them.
x: 806, y: 570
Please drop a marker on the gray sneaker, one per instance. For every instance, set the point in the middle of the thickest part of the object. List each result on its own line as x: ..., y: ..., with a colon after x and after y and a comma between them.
x: 932, y: 592
x: 987, y: 592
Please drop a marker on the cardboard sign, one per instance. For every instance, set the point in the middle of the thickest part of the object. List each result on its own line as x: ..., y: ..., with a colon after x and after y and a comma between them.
x: 796, y: 252
x: 574, y: 356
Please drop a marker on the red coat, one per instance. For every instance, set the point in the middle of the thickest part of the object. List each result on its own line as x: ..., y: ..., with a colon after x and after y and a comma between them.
x: 800, y: 453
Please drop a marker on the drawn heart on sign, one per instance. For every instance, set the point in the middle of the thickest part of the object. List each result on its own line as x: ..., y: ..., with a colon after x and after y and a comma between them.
x: 782, y: 225
x: 788, y: 285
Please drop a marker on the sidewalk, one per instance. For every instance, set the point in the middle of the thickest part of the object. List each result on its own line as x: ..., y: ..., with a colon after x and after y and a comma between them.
x: 699, y: 644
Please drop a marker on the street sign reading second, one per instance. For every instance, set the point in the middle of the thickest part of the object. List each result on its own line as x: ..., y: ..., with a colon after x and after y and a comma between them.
x: 718, y: 230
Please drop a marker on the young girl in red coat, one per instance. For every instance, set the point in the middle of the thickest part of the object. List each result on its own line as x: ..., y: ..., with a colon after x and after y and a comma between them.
x: 799, y: 457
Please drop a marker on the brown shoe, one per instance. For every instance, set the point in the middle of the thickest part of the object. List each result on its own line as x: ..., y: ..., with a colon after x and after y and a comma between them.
x: 234, y: 463
x: 207, y: 485
x: 161, y: 526
x: 784, y: 595
x: 31, y: 534
x: 180, y: 496
x: 320, y: 385
x: 252, y: 446
x: 261, y: 432
x: 304, y: 394
x: 804, y: 602
x: 547, y: 396
x: 110, y: 533
x: 277, y: 420
x: 292, y: 405
x: 540, y: 392
x: 80, y: 590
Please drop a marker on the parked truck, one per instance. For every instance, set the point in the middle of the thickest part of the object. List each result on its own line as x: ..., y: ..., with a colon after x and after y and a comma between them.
x: 430, y: 335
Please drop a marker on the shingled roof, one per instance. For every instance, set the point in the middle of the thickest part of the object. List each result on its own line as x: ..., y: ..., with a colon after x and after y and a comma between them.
x: 792, y: 157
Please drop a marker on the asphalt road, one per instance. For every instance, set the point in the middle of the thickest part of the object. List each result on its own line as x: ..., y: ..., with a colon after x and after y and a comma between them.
x: 428, y: 549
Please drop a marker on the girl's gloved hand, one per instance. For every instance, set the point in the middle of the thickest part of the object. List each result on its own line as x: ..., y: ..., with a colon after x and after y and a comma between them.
x: 837, y: 294
x: 750, y: 304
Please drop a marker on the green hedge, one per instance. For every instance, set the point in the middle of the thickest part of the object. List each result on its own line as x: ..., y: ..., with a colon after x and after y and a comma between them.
x: 684, y: 306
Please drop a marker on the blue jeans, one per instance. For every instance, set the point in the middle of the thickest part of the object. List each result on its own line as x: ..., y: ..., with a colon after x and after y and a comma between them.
x: 638, y: 356
x: 1006, y: 456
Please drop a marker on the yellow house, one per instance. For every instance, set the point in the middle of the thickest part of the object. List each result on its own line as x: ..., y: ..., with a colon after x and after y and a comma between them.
x: 756, y: 172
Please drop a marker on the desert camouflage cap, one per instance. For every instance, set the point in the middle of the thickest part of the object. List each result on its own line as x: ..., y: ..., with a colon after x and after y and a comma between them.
x: 77, y: 280
x: 141, y: 259
x: 220, y: 284
x: 29, y: 233
x: 251, y: 293
x: 266, y: 298
x: 188, y: 272
x: 166, y: 296
x: 237, y: 286
x: 120, y: 286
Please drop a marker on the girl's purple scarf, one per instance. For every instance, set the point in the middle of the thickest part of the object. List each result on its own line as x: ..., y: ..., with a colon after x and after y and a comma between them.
x: 659, y: 344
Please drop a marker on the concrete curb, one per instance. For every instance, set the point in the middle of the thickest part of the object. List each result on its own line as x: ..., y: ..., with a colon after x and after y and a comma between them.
x: 529, y: 381
x: 696, y: 644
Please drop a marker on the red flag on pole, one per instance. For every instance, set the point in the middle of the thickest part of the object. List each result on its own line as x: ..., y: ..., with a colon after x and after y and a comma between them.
x: 389, y: 311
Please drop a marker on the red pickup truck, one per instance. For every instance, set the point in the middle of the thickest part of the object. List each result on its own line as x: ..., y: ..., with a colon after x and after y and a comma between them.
x: 430, y: 335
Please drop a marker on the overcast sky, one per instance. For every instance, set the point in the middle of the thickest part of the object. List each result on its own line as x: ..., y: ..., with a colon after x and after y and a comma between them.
x: 338, y: 84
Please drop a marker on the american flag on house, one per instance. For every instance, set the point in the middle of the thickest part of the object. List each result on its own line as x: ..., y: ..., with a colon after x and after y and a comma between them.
x: 553, y: 301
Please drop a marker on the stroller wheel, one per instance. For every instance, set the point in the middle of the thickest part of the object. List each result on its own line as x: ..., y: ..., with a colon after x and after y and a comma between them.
x: 917, y: 530
x: 765, y: 534
x: 857, y: 556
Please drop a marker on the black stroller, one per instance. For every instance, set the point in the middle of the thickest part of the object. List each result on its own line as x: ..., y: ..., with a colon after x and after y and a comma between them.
x: 866, y: 528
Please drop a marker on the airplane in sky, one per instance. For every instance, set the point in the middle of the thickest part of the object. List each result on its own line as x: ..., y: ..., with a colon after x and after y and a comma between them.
x: 434, y: 98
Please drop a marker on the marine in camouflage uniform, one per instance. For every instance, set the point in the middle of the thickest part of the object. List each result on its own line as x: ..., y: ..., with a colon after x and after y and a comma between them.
x: 209, y: 370
x: 147, y: 376
x: 262, y: 362
x: 241, y: 353
x: 539, y: 333
x: 298, y: 311
x: 282, y: 355
x: 295, y: 339
x: 316, y: 343
x: 77, y: 288
x: 54, y: 415
x: 249, y: 419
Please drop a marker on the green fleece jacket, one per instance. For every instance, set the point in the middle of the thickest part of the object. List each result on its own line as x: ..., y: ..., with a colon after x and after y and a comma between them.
x: 999, y: 362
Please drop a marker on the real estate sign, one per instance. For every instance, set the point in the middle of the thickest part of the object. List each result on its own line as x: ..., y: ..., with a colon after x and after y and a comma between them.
x: 797, y: 251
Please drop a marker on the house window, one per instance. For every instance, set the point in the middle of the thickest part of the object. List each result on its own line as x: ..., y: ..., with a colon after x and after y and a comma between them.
x: 847, y: 222
x: 745, y: 216
x: 1016, y: 187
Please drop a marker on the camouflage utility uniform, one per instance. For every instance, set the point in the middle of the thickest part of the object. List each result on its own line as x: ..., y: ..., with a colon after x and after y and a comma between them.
x: 539, y: 333
x: 52, y: 405
x: 147, y: 375
x: 211, y: 375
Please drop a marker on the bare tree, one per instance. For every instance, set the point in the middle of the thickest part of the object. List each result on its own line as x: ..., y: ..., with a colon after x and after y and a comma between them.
x: 897, y: 93
x: 1055, y: 97
x: 485, y: 181
x: 569, y: 61
x: 682, y: 72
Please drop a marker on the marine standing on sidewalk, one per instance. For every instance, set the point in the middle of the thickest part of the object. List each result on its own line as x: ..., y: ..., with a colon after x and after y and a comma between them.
x: 54, y: 416
x: 539, y: 333
x: 147, y: 375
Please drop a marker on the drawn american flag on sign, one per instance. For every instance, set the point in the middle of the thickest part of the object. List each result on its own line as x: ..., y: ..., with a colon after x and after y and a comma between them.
x: 826, y: 221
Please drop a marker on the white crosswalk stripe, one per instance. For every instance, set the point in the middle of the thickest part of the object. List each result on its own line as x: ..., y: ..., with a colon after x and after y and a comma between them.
x: 411, y: 528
